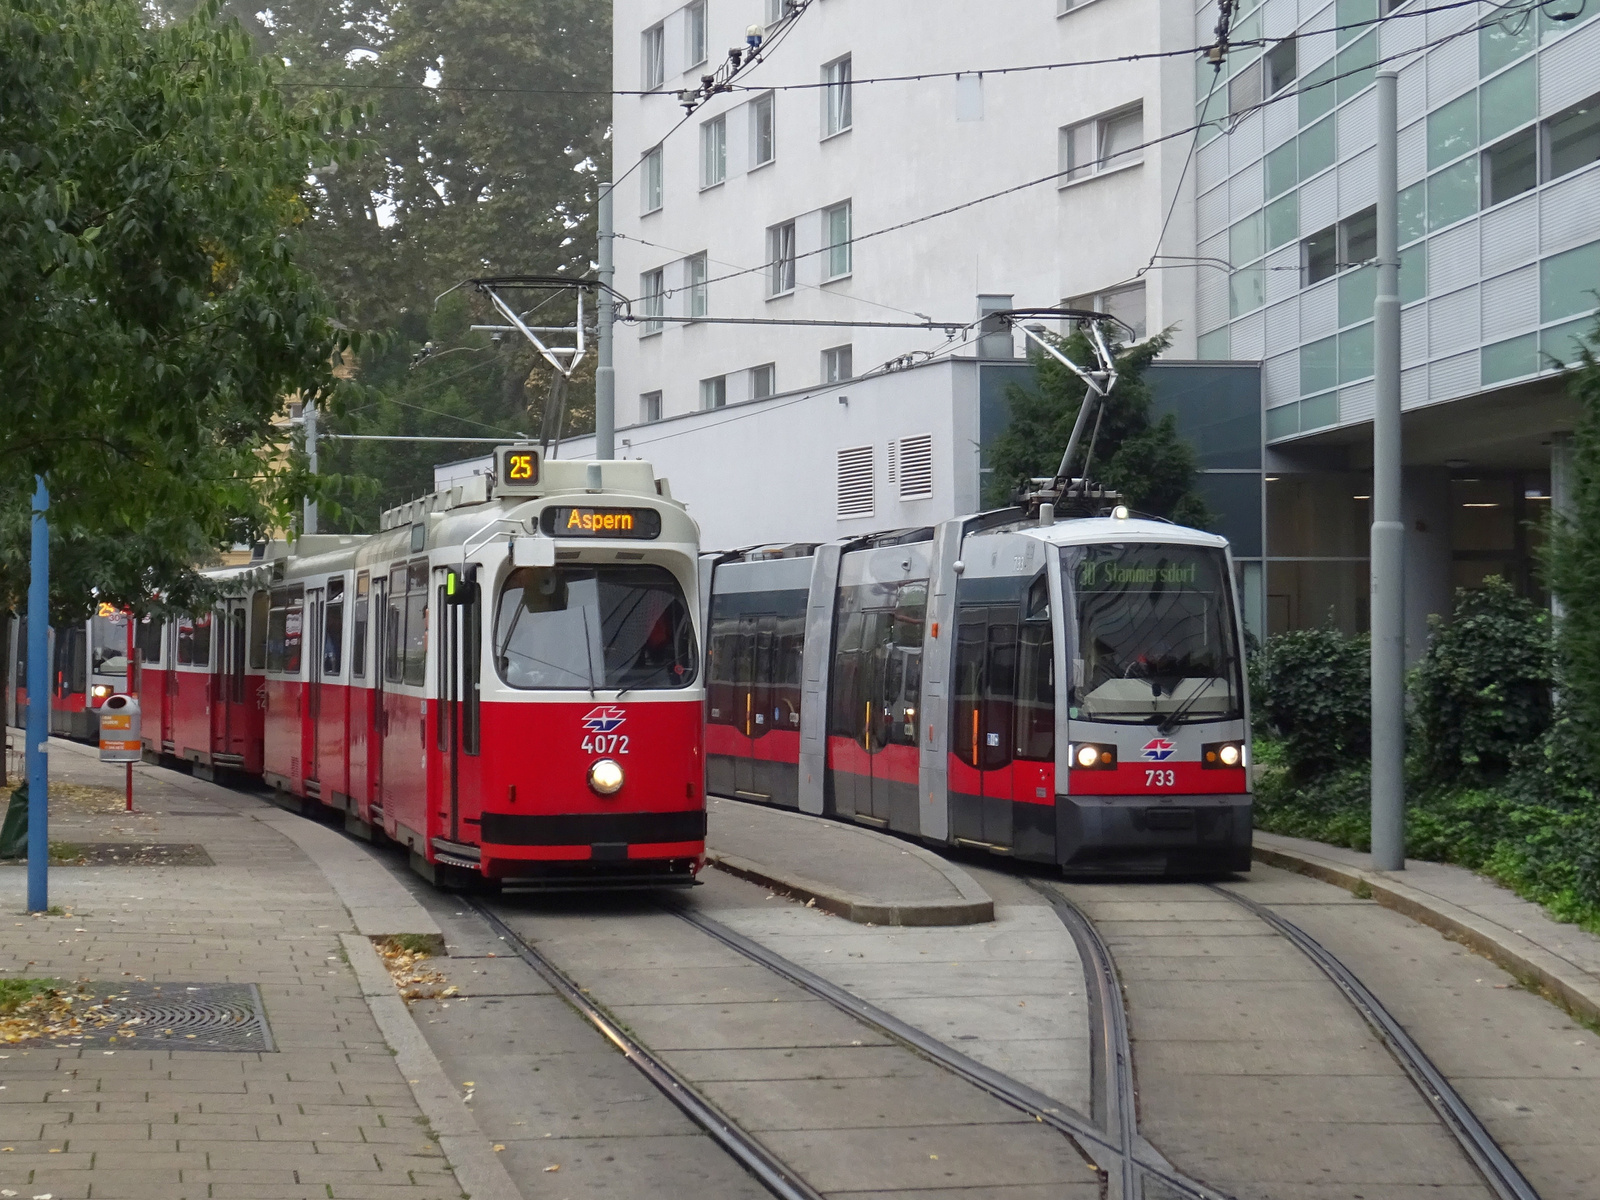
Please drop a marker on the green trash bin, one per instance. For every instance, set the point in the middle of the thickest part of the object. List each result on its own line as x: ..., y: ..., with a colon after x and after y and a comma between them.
x: 14, y: 833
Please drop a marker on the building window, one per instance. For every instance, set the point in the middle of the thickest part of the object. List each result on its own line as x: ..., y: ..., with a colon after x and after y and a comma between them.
x: 714, y: 392
x: 762, y: 381
x: 1282, y: 65
x: 1126, y: 304
x: 776, y: 11
x: 650, y: 181
x: 1353, y: 242
x: 649, y: 407
x: 694, y: 30
x: 1103, y: 144
x: 698, y: 271
x: 652, y: 289
x: 780, y: 259
x: 913, y: 472
x: 836, y: 116
x: 713, y: 152
x: 1244, y: 89
x: 837, y: 365
x: 854, y: 482
x: 655, y: 57
x: 763, y: 142
x: 1511, y: 167
x: 836, y: 227
x: 1573, y: 138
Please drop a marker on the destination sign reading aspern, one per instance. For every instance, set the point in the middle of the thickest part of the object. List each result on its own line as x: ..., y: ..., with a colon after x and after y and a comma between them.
x: 583, y: 521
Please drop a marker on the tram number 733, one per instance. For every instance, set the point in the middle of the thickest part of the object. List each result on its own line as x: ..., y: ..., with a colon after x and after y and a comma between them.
x: 606, y: 743
x: 1153, y: 778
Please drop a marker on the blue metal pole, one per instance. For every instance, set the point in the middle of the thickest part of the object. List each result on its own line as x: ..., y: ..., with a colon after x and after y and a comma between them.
x: 39, y: 706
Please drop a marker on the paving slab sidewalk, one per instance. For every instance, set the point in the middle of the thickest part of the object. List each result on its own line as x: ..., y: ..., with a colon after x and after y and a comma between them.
x: 1560, y: 960
x: 863, y: 875
x: 332, y: 1112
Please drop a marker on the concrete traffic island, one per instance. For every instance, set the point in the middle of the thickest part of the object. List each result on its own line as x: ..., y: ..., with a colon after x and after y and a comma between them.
x: 860, y: 874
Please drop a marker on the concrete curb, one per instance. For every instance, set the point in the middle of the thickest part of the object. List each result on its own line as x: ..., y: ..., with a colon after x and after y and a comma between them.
x: 973, y: 908
x: 1558, y: 980
x: 477, y: 1169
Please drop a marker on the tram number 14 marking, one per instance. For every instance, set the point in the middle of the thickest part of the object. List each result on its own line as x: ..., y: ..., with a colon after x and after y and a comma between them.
x: 1160, y: 778
x: 607, y: 743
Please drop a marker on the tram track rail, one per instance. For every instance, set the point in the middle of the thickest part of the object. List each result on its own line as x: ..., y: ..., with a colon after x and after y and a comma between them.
x: 1503, y: 1177
x: 1132, y: 1160
x: 748, y: 1150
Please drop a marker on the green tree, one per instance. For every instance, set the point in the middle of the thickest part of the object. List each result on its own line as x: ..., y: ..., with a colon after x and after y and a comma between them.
x: 153, y: 310
x: 1146, y: 461
x: 1572, y: 570
x: 489, y: 132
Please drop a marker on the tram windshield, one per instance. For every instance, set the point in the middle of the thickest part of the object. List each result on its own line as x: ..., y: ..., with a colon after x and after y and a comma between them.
x: 109, y: 651
x: 1156, y: 641
x: 577, y: 626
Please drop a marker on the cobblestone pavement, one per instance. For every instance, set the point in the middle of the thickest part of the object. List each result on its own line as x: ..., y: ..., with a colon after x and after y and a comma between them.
x: 327, y: 1114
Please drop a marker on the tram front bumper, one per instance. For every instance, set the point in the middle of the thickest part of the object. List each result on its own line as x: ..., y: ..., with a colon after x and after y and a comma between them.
x: 1162, y: 835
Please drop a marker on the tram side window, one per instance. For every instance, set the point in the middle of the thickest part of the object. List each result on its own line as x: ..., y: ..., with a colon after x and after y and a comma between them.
x: 416, y: 644
x: 333, y: 630
x: 471, y: 670
x: 999, y: 695
x: 903, y: 686
x: 846, y: 717
x: 358, y: 628
x: 185, y: 642
x: 394, y: 627
x: 722, y: 689
x: 965, y: 735
x: 202, y: 641
x: 108, y: 647
x: 71, y: 668
x: 791, y: 632
x: 284, y: 623
x: 1036, y: 694
x: 260, y: 606
x: 147, y: 637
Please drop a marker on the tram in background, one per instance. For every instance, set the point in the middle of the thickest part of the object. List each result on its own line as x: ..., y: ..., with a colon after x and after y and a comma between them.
x: 88, y: 664
x: 1068, y: 692
x: 505, y: 679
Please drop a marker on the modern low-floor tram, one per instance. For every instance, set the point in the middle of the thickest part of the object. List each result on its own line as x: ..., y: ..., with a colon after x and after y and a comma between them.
x: 1069, y: 692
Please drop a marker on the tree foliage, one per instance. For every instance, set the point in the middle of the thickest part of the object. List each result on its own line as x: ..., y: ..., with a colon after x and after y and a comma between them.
x: 1146, y: 461
x: 153, y: 311
x: 1572, y: 570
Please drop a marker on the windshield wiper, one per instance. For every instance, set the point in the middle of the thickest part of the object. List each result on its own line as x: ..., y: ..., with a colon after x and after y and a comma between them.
x: 1175, y: 717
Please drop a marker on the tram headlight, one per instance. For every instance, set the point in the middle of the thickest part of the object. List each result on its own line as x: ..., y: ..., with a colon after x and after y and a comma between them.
x: 1094, y: 756
x: 1218, y: 755
x: 100, y: 691
x: 605, y: 776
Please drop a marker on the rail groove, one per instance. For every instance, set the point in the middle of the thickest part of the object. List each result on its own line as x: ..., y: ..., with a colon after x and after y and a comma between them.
x: 1498, y: 1171
x: 1142, y: 1160
x: 773, y: 1173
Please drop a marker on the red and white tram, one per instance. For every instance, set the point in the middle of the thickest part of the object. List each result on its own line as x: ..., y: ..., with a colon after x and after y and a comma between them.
x: 505, y: 679
x: 88, y: 663
x: 1069, y: 692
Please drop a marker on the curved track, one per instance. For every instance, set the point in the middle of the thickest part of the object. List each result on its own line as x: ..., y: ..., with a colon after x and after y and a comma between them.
x: 1498, y: 1171
x: 772, y: 1172
x: 1131, y: 1167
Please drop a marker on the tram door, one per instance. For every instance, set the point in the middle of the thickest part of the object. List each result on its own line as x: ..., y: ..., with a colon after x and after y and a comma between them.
x: 456, y: 709
x: 983, y: 720
x: 317, y: 611
x: 169, y: 686
x: 228, y: 709
x: 381, y: 622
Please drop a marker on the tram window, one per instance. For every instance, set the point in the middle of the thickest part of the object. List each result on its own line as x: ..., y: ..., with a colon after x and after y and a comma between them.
x: 999, y: 695
x: 966, y: 737
x: 260, y: 605
x: 358, y: 627
x: 284, y: 622
x: 442, y: 673
x: 333, y: 634
x: 471, y: 658
x: 70, y: 665
x: 416, y: 644
x: 1038, y: 606
x: 845, y: 719
x: 764, y: 662
x: 786, y: 690
x: 202, y: 641
x: 394, y: 633
x: 579, y: 626
x: 185, y: 642
x: 147, y: 637
x: 1036, y: 694
x: 108, y: 652
x: 720, y: 687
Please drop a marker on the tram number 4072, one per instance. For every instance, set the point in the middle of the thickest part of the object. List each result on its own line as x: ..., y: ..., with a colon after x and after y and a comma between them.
x: 606, y: 743
x: 1161, y: 779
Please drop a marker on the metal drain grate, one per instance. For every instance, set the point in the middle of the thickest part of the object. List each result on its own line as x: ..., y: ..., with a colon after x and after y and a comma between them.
x: 175, y: 1016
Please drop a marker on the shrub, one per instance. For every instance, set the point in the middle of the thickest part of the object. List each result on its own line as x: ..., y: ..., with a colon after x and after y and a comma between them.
x: 1481, y: 694
x: 1315, y: 693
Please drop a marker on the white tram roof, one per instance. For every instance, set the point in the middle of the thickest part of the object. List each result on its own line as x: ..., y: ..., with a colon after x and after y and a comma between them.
x: 1078, y: 531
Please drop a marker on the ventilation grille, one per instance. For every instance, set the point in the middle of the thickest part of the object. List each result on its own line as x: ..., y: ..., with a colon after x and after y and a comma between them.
x: 916, y: 466
x: 855, y: 482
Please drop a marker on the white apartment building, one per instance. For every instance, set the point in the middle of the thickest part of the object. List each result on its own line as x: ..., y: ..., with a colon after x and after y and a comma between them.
x: 782, y: 202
